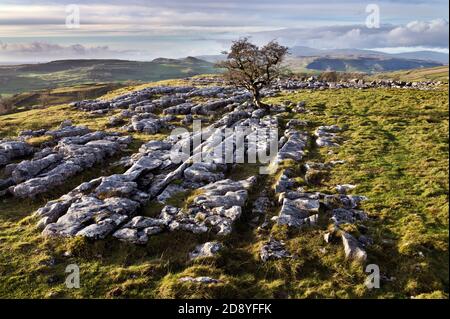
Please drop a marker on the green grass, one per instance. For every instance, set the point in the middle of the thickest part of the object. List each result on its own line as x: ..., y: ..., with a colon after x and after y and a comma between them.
x: 396, y: 151
x: 439, y: 73
x: 39, y: 140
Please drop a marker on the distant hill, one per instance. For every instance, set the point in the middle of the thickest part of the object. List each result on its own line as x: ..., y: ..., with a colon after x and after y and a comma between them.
x: 305, y: 59
x: 212, y: 58
x: 367, y: 64
x: 301, y: 51
x: 357, y: 60
x: 27, y: 77
x: 426, y: 74
x: 425, y: 55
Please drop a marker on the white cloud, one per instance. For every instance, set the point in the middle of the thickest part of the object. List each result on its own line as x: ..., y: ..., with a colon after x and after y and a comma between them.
x: 420, y: 33
x: 99, y: 16
x: 417, y: 33
x: 176, y: 28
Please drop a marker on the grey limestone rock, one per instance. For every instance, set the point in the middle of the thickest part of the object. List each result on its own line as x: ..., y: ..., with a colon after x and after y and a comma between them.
x: 208, y: 249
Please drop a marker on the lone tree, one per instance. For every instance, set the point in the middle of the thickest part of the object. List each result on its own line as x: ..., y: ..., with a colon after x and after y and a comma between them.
x: 252, y: 67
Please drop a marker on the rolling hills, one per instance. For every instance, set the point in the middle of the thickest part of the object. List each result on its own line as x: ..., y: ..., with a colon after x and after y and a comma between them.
x: 306, y: 59
x: 28, y: 77
x: 425, y: 55
x: 363, y: 64
x: 367, y: 64
x: 426, y: 74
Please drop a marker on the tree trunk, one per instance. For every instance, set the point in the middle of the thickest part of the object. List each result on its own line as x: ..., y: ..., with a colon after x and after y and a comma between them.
x: 257, y: 99
x: 257, y: 102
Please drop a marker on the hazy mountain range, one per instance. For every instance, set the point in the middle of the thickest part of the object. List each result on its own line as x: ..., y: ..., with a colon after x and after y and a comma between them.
x: 301, y: 51
x: 419, y: 55
x: 354, y: 60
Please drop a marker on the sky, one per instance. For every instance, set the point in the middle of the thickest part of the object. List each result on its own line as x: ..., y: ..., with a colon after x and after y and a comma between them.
x: 39, y: 31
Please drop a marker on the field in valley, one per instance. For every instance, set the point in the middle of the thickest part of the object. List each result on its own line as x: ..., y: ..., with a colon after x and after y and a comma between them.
x: 395, y: 148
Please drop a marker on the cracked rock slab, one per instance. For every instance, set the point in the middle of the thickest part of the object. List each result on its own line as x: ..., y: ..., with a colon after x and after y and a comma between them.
x: 299, y: 210
x: 12, y: 150
x: 73, y: 154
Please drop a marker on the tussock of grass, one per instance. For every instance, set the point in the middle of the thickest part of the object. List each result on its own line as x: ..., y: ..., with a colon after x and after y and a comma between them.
x: 37, y: 141
x: 190, y: 196
x: 244, y: 171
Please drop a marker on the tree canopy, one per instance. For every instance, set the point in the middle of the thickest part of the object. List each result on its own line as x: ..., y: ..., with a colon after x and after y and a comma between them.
x: 252, y: 67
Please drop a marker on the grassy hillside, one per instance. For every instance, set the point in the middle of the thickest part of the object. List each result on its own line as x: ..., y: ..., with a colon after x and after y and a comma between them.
x: 355, y: 64
x: 44, y: 98
x: 23, y: 78
x: 427, y: 74
x: 396, y: 151
x: 299, y: 65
